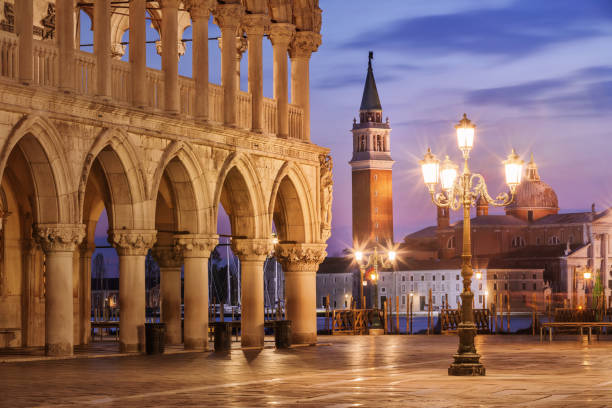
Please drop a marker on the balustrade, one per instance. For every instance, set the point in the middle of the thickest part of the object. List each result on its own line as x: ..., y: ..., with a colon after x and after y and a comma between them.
x: 46, y: 68
x: 8, y: 55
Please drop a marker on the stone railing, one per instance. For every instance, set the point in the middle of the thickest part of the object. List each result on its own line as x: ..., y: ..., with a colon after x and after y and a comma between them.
x: 8, y: 55
x: 46, y: 66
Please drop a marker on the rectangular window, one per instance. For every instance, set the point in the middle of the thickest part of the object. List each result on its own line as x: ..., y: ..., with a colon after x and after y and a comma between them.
x: 535, y: 286
x: 383, y: 290
x: 403, y: 288
x: 403, y: 299
x: 457, y: 278
x: 458, y: 287
x: 433, y: 300
x: 422, y: 278
x: 433, y: 277
x: 534, y: 276
x: 443, y: 277
x: 411, y: 278
x: 480, y: 299
x: 495, y: 286
x: 505, y: 286
x: 480, y: 286
x: 524, y: 286
x: 403, y: 278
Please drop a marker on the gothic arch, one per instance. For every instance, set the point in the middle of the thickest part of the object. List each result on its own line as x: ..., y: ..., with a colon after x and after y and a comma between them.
x: 291, y: 207
x: 40, y: 143
x: 193, y: 202
x: 119, y: 163
x: 239, y: 190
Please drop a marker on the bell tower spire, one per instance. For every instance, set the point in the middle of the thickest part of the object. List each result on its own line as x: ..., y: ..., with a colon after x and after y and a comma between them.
x: 371, y: 170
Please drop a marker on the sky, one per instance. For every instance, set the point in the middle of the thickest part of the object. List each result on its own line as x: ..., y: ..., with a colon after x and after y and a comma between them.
x: 535, y: 76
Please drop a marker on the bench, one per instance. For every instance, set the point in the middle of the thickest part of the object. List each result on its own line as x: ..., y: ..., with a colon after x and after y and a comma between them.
x: 550, y: 326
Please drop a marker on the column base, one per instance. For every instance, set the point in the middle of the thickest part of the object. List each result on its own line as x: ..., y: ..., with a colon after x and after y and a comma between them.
x: 252, y: 341
x: 195, y: 344
x: 58, y: 349
x: 303, y: 338
x: 130, y: 348
x: 467, y: 364
x: 376, y: 332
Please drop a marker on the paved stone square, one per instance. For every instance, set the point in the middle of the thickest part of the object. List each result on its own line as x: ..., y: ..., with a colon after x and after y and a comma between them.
x: 339, y: 372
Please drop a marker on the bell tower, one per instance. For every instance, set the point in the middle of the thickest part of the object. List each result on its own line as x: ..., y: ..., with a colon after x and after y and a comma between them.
x: 371, y: 170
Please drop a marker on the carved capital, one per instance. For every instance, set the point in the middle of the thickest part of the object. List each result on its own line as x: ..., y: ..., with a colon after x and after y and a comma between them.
x: 59, y: 237
x: 256, y: 24
x: 196, y: 245
x: 198, y: 9
x: 228, y: 16
x: 167, y: 256
x: 132, y: 242
x: 252, y: 249
x: 117, y: 51
x: 281, y: 34
x: 168, y: 3
x: 300, y: 257
x: 304, y: 44
x: 180, y: 45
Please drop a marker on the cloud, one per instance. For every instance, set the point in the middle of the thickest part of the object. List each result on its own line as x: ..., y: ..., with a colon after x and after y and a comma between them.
x: 340, y: 79
x: 522, y: 28
x: 586, y: 91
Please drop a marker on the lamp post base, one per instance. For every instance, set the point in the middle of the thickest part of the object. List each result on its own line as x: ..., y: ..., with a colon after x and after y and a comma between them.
x: 467, y: 364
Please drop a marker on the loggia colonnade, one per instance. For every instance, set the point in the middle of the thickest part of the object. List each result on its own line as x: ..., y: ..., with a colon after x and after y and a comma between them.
x: 81, y: 132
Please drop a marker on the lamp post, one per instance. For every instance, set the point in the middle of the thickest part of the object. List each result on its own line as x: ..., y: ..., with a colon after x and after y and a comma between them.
x: 462, y: 191
x: 375, y: 261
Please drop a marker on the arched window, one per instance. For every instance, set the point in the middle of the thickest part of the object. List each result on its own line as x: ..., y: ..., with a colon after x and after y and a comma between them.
x: 518, y: 242
x: 554, y: 240
x: 363, y: 144
x: 451, y: 243
x: 378, y: 144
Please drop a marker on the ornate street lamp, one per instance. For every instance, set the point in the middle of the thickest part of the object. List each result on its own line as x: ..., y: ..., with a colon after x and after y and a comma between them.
x: 462, y: 191
x: 373, y: 261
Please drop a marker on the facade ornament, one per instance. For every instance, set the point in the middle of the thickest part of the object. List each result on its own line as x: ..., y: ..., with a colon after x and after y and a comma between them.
x: 281, y: 34
x: 198, y: 8
x: 59, y: 237
x: 228, y: 15
x: 195, y: 245
x: 256, y: 24
x: 180, y: 46
x: 327, y: 186
x: 167, y: 256
x: 304, y: 44
x: 48, y: 23
x: 256, y: 249
x: 300, y: 257
x: 132, y: 242
x: 117, y: 50
x: 8, y: 24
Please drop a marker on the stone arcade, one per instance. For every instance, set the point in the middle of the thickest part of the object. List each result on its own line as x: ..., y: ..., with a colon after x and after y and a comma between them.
x: 80, y: 132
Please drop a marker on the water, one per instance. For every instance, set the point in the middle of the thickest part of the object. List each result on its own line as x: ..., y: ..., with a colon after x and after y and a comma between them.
x: 419, y: 323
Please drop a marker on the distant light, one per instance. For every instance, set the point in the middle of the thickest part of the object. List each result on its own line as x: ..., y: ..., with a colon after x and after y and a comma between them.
x: 392, y: 255
x: 478, y: 275
x: 359, y: 256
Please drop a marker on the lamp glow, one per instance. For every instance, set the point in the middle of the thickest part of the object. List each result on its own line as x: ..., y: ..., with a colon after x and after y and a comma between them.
x: 359, y: 256
x: 465, y: 134
x: 430, y: 166
x: 588, y: 275
x: 514, y: 169
x: 448, y: 174
x: 392, y: 255
x: 478, y: 275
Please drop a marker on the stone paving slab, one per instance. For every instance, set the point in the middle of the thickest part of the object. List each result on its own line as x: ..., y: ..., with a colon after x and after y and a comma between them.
x: 388, y: 371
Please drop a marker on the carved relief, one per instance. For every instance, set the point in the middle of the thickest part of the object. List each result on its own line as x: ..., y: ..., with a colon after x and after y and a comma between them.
x: 167, y: 256
x: 59, y: 237
x: 300, y: 257
x: 132, y: 242
x: 327, y: 187
x: 304, y: 43
x: 48, y: 23
x: 252, y: 249
x: 196, y: 246
x: 228, y: 15
x: 8, y: 24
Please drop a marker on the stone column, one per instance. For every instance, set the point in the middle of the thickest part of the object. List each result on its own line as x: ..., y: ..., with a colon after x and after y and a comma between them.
x: 300, y: 263
x: 228, y: 17
x: 65, y: 29
x: 59, y: 242
x: 281, y: 35
x: 102, y: 47
x: 170, y: 262
x: 170, y: 55
x: 303, y: 45
x: 605, y: 239
x: 86, y: 251
x: 196, y: 251
x: 24, y: 26
x: 252, y: 254
x: 255, y: 25
x: 200, y: 13
x: 132, y: 247
x: 138, y: 53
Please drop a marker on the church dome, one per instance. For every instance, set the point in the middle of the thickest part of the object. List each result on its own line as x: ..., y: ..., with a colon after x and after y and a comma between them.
x: 533, y: 195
